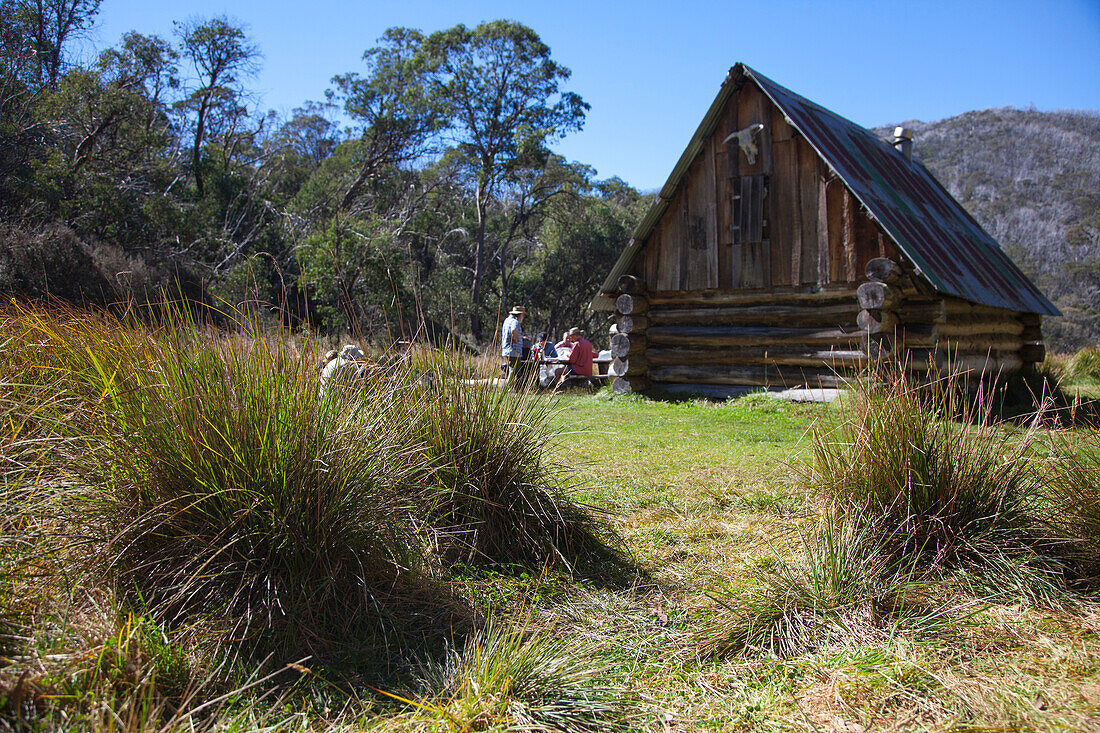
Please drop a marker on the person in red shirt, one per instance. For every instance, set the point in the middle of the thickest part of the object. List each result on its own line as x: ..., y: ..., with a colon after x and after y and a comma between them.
x: 580, y: 358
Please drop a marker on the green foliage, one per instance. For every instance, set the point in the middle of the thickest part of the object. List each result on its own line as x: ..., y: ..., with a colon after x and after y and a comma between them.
x: 352, y: 265
x: 1075, y: 489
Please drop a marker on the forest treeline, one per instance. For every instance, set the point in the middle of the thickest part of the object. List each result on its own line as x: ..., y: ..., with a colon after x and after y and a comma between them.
x: 421, y: 190
x: 1032, y: 180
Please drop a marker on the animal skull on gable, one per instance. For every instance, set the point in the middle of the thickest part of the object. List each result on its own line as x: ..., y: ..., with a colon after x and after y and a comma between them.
x: 745, y: 140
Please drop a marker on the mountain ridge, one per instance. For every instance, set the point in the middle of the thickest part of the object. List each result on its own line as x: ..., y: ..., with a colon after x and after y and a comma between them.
x: 1032, y: 180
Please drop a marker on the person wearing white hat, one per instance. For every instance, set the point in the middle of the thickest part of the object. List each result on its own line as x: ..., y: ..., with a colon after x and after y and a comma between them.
x: 343, y: 369
x: 511, y: 340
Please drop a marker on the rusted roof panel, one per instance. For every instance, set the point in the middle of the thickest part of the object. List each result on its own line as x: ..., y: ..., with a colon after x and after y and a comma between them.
x: 934, y: 231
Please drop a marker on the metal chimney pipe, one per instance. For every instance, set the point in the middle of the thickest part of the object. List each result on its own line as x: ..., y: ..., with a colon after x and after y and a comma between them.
x: 903, y: 141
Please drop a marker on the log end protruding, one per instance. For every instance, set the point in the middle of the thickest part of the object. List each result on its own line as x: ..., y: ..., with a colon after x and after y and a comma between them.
x: 625, y: 324
x: 878, y: 296
x: 621, y: 386
x: 618, y: 367
x: 631, y: 284
x: 877, y: 321
x: 884, y: 270
x: 1033, y: 353
x: 620, y: 345
x: 624, y: 304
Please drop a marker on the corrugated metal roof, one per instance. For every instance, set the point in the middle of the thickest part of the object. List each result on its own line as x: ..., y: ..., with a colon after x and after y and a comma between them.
x: 934, y: 231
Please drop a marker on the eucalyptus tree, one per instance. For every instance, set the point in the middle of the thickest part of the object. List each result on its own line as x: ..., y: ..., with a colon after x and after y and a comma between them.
x: 221, y: 55
x: 505, y: 100
x: 394, y: 106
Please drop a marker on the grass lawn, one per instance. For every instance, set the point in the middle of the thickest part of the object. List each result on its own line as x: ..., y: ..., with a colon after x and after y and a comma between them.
x: 702, y: 494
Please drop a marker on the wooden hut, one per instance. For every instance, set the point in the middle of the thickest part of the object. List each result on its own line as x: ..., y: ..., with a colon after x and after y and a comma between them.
x: 791, y: 245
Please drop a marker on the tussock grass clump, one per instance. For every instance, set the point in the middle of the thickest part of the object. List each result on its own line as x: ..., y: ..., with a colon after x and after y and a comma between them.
x: 1075, y: 491
x: 947, y: 485
x: 226, y: 486
x: 845, y: 589
x: 514, y: 678
x: 1084, y: 366
x: 492, y: 495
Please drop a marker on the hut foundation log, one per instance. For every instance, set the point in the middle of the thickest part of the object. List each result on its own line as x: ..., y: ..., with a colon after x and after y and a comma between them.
x: 884, y: 270
x: 638, y: 364
x: 877, y: 321
x: 1031, y: 333
x: 756, y: 375
x: 970, y: 327
x: 878, y: 296
x: 991, y: 365
x: 621, y: 386
x: 979, y: 345
x: 789, y: 356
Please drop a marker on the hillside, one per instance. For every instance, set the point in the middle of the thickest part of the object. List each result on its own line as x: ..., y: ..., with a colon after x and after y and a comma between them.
x: 1032, y: 179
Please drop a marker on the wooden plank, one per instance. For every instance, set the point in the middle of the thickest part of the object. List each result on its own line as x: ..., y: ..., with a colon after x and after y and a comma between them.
x: 834, y: 198
x: 851, y: 272
x: 686, y: 230
x: 652, y: 250
x: 808, y: 182
x: 756, y: 264
x: 730, y: 149
x: 668, y: 278
x: 747, y: 208
x: 823, y: 261
x: 724, y: 204
x: 753, y: 107
x: 711, y: 199
x: 866, y: 240
x: 785, y: 219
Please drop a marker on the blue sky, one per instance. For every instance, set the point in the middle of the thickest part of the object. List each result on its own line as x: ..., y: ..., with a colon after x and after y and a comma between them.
x: 650, y: 70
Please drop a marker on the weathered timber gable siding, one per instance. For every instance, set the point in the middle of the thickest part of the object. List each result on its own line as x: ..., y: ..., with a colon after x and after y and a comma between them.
x: 780, y: 222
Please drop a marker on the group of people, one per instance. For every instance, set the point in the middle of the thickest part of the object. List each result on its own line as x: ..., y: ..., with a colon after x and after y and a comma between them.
x: 552, y: 363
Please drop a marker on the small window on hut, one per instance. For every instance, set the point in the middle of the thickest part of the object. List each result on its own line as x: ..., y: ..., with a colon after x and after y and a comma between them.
x: 748, y: 209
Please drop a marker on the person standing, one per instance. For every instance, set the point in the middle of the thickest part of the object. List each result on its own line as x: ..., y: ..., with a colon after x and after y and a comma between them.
x: 511, y: 340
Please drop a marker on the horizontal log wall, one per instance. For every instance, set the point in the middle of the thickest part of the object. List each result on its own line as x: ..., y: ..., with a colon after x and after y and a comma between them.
x: 783, y: 340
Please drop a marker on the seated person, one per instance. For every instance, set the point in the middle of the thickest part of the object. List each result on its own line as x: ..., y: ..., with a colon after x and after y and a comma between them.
x: 580, y: 355
x: 543, y: 349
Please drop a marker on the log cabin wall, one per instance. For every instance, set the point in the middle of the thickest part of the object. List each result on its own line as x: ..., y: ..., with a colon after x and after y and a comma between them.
x: 750, y: 276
